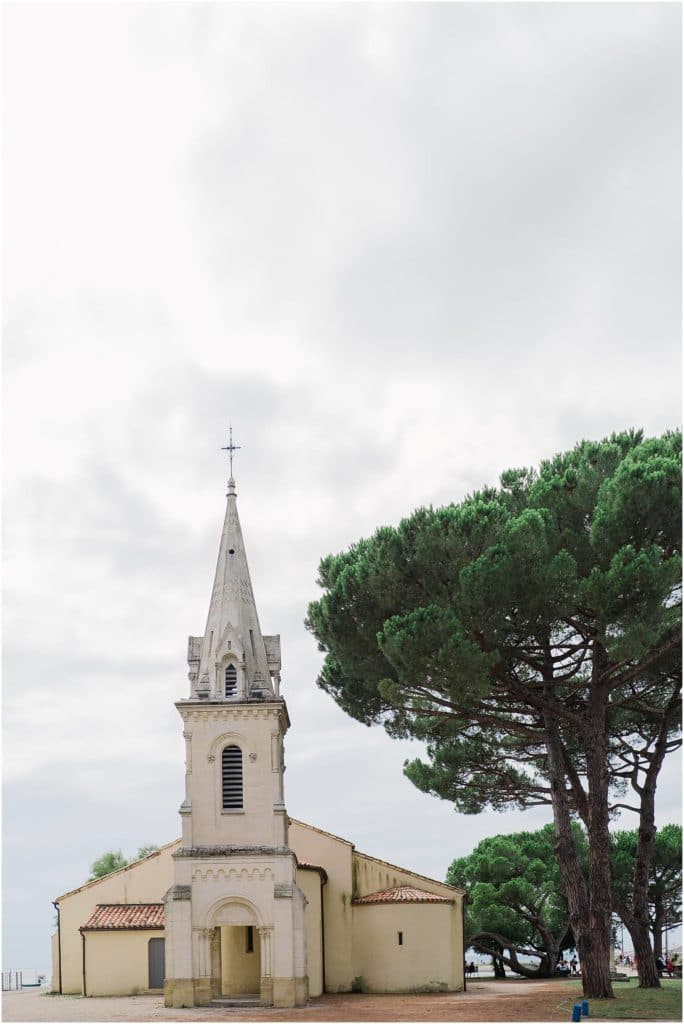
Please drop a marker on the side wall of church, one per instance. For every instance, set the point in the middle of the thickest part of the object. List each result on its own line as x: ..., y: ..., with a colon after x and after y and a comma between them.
x: 406, y: 947
x: 145, y: 881
x: 117, y: 962
x: 310, y: 884
x: 372, y: 875
x: 335, y: 855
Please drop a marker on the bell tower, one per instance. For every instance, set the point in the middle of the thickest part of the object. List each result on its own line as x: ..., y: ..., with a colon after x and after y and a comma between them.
x: 234, y: 918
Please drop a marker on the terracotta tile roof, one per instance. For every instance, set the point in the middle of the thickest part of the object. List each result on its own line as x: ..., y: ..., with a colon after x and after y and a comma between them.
x: 306, y: 866
x: 110, y: 916
x: 401, y: 894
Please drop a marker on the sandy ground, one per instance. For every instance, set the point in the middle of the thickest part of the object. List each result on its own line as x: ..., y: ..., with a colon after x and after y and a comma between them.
x: 483, y: 1001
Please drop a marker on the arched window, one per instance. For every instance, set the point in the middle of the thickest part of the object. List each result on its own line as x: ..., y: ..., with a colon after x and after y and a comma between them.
x: 231, y: 680
x: 231, y: 765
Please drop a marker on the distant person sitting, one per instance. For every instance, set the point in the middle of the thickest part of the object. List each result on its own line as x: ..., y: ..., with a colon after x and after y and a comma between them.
x: 562, y: 969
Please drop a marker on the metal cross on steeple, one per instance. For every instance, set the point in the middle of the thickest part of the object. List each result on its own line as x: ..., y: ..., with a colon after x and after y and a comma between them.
x: 230, y: 448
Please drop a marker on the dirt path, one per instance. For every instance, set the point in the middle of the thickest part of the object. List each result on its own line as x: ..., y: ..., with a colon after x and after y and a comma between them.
x: 484, y: 1001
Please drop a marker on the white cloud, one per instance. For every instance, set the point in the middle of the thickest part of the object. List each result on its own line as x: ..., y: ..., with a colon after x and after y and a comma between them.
x: 403, y: 246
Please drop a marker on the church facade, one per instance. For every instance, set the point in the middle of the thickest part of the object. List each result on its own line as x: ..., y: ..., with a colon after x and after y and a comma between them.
x: 250, y: 905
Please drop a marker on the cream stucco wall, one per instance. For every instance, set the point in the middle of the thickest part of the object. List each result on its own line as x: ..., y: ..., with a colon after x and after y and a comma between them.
x: 310, y: 884
x: 371, y: 875
x: 334, y: 854
x: 116, y: 962
x: 54, y: 945
x: 350, y: 874
x: 240, y: 970
x: 424, y: 962
x: 144, y: 881
x: 257, y: 729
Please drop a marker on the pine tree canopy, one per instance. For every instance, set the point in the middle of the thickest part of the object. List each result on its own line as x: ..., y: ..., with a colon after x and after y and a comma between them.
x: 665, y: 875
x: 108, y: 862
x: 515, y: 900
x: 531, y: 636
x: 465, y: 625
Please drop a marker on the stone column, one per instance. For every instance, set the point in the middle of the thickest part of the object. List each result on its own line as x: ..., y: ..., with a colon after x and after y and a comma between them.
x: 201, y: 956
x: 187, y: 736
x: 178, y: 986
x: 215, y: 947
x: 277, y: 770
x: 266, y: 985
x: 300, y: 952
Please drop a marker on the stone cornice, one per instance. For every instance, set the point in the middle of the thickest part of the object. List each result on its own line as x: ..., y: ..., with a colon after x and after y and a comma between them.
x: 219, y: 710
x: 208, y: 852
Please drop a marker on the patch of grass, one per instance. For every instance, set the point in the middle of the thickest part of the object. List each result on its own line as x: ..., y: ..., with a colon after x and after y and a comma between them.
x: 632, y: 1002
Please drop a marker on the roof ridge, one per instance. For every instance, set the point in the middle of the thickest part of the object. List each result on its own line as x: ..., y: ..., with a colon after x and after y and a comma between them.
x: 396, y: 888
x: 96, y: 881
x: 322, y: 831
x: 402, y: 894
x: 149, y: 903
x: 408, y: 871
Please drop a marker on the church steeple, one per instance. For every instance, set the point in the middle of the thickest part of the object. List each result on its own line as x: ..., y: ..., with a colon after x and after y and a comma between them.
x: 234, y: 868
x: 233, y: 660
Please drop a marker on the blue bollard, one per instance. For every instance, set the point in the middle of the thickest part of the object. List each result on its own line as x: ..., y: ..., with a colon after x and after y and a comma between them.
x: 585, y: 1007
x: 577, y: 1012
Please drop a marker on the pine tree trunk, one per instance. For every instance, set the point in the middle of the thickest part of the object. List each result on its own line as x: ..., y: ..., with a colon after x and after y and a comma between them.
x: 499, y: 969
x: 646, y: 965
x: 641, y: 940
x: 593, y: 947
x: 596, y: 973
x: 658, y: 923
x: 508, y: 955
x: 636, y: 917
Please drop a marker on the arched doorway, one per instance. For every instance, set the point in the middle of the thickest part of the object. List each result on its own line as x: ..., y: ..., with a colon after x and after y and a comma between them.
x: 240, y: 960
x: 237, y: 963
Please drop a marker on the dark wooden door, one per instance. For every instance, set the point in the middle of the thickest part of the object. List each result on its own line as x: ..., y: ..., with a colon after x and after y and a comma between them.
x: 155, y: 960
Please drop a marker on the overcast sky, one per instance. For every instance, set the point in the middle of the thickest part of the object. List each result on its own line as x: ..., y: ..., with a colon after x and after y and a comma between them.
x: 403, y: 247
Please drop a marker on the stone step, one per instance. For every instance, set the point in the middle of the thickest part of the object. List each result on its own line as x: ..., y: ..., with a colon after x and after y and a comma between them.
x: 241, y: 1000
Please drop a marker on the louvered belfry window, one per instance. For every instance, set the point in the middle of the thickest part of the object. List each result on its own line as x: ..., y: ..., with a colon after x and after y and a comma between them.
x: 231, y: 764
x: 231, y: 680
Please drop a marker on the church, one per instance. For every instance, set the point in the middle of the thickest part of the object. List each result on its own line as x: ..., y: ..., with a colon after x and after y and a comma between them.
x: 250, y: 906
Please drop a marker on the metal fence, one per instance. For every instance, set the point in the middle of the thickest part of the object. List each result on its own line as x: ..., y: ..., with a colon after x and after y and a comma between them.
x: 11, y: 980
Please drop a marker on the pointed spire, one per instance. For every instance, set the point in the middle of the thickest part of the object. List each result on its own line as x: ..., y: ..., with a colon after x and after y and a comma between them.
x: 233, y: 635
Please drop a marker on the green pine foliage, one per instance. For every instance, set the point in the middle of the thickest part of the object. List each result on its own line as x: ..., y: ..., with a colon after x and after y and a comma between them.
x: 665, y: 877
x: 440, y: 628
x: 110, y: 861
x: 530, y: 635
x: 515, y: 904
x: 146, y: 850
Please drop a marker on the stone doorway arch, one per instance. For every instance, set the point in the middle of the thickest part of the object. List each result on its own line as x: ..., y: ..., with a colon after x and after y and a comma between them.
x: 241, y: 951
